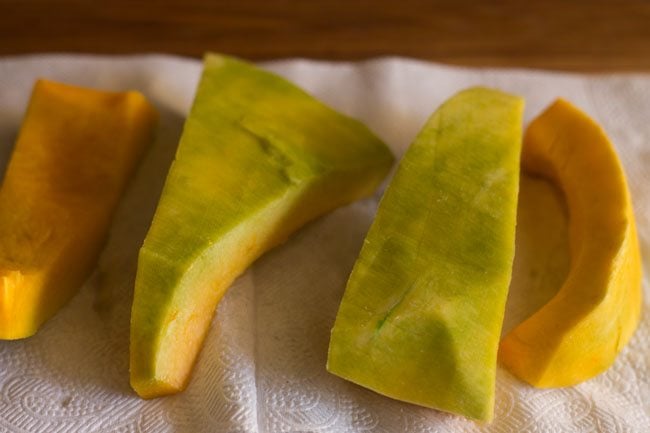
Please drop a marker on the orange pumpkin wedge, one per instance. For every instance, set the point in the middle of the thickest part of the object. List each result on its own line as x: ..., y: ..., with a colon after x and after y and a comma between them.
x: 73, y: 157
x: 581, y: 330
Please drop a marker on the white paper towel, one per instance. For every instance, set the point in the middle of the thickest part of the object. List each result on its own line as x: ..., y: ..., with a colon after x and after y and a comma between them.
x: 262, y: 367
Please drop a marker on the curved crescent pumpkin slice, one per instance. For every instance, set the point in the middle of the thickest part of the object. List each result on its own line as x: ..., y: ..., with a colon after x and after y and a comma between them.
x: 579, y: 333
x: 74, y: 155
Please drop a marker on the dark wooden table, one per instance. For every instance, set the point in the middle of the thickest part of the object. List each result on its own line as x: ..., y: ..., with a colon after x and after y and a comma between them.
x: 588, y: 35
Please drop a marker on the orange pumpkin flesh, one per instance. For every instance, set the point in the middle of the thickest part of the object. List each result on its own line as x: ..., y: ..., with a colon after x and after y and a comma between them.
x: 73, y: 157
x: 581, y: 330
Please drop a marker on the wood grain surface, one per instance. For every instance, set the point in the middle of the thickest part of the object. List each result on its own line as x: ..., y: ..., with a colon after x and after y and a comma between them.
x: 594, y: 35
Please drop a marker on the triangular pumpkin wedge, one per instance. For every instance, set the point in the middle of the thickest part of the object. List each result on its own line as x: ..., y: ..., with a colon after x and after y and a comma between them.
x: 422, y: 312
x: 258, y: 158
x: 579, y: 332
x: 73, y: 158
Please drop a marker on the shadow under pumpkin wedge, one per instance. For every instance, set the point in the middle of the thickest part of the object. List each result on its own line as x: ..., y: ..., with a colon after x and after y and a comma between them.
x: 258, y: 158
x: 74, y: 155
x: 581, y: 330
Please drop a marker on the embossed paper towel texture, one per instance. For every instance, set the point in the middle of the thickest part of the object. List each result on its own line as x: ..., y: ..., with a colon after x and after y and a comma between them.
x: 262, y: 368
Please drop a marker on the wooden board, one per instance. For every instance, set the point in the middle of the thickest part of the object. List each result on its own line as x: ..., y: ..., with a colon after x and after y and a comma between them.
x: 595, y: 35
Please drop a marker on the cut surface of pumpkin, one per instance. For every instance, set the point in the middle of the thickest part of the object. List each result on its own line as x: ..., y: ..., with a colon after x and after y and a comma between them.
x: 580, y: 331
x: 73, y: 157
x: 258, y: 158
x: 421, y: 316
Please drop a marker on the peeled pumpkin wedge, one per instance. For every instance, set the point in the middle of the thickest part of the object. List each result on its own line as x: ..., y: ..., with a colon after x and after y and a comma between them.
x: 73, y: 158
x: 258, y: 158
x: 580, y: 331
x: 421, y: 316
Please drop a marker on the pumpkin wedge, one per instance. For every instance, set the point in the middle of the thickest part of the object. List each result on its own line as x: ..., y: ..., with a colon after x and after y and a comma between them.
x: 258, y: 158
x: 421, y: 316
x: 580, y: 331
x: 73, y: 157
